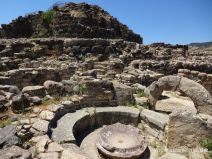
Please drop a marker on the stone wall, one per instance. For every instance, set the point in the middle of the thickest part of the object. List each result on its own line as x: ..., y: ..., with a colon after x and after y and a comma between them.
x: 71, y: 20
x: 200, y: 77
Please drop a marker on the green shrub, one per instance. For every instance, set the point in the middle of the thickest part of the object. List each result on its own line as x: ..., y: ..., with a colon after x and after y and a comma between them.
x: 207, y: 143
x: 47, y: 17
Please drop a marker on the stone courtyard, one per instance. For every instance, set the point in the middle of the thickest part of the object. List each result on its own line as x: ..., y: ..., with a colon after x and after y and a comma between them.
x: 57, y: 92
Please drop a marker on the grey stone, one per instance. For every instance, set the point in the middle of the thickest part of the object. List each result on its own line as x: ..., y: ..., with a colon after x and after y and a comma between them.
x: 20, y: 102
x: 15, y: 152
x: 41, y: 145
x: 50, y: 155
x: 123, y: 93
x: 54, y: 88
x: 34, y: 91
x: 55, y: 147
x: 186, y: 129
x: 36, y: 100
x: 8, y: 136
x: 199, y: 95
x: 46, y: 115
x: 41, y: 125
x: 172, y: 156
x: 157, y: 119
x: 68, y: 154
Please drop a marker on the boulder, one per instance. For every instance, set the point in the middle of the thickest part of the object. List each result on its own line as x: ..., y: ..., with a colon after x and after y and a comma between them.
x: 54, y: 88
x: 186, y: 129
x: 34, y: 91
x: 159, y: 120
x: 8, y: 136
x: 123, y: 93
x: 36, y: 100
x: 41, y: 125
x: 15, y: 152
x: 20, y: 102
x: 69, y: 86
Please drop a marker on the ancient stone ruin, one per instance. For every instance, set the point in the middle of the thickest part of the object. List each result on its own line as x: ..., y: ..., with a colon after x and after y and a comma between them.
x: 75, y: 83
x: 121, y: 141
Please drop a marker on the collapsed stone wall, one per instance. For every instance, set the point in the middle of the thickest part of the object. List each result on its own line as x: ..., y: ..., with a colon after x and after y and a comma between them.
x: 71, y: 20
x: 200, y: 77
x: 60, y: 58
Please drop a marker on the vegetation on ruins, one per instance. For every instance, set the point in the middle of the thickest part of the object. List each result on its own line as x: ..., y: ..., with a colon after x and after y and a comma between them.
x: 207, y: 143
x: 47, y: 17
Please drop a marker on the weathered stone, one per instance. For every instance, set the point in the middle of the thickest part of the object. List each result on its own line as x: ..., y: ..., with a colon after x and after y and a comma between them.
x: 41, y: 145
x: 15, y: 152
x: 123, y: 93
x: 54, y: 107
x: 54, y: 88
x: 34, y: 91
x: 36, y: 100
x: 157, y: 119
x: 68, y: 154
x: 46, y: 115
x: 20, y: 102
x: 8, y: 136
x: 55, y: 147
x: 187, y: 129
x: 199, y: 95
x: 39, y: 138
x: 68, y: 86
x: 50, y: 155
x: 41, y: 125
x: 172, y: 156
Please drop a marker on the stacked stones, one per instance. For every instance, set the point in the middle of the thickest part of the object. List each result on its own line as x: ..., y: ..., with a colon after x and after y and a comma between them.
x: 71, y: 20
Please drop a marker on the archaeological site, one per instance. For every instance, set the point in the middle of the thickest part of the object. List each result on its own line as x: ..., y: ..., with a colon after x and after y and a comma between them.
x: 75, y: 83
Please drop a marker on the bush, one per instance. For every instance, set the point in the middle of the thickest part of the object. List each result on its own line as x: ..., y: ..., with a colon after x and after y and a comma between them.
x: 47, y: 17
x: 207, y: 143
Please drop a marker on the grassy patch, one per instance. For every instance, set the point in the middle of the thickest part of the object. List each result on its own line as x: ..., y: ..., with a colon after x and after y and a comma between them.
x: 129, y: 103
x: 80, y: 89
x: 47, y: 17
x: 207, y: 143
x: 139, y: 93
x: 5, y: 122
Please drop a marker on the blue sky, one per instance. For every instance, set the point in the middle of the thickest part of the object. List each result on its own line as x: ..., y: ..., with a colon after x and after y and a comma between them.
x: 169, y: 21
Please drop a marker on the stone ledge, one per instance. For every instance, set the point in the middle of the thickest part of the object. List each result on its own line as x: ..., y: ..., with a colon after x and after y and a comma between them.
x: 75, y: 123
x: 156, y: 119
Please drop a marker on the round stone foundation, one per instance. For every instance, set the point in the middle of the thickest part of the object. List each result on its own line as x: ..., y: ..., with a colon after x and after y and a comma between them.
x: 119, y: 141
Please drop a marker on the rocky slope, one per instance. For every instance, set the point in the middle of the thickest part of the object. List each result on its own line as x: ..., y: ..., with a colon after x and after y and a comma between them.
x: 71, y: 20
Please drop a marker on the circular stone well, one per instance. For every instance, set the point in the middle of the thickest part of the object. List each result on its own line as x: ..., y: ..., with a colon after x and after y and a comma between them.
x: 119, y: 141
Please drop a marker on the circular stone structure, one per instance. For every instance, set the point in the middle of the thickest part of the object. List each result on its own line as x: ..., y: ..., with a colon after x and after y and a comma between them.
x: 119, y: 141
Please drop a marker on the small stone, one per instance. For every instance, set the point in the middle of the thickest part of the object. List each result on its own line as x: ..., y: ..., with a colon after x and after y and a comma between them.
x: 54, y: 107
x: 52, y: 155
x: 41, y: 125
x: 55, y: 147
x: 68, y: 154
x: 172, y: 156
x: 41, y: 145
x: 39, y: 138
x: 27, y: 126
x: 36, y: 110
x: 24, y: 121
x: 46, y: 115
x: 36, y: 100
